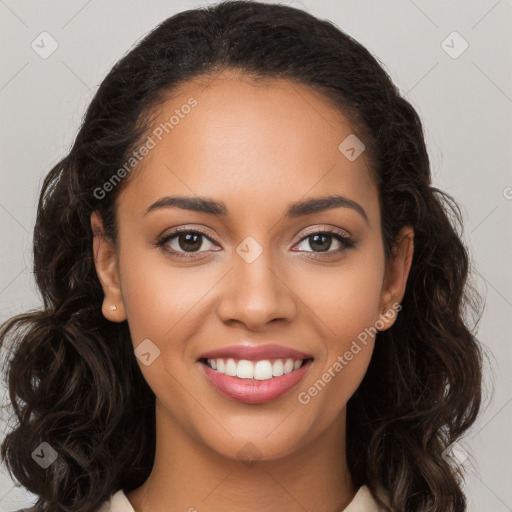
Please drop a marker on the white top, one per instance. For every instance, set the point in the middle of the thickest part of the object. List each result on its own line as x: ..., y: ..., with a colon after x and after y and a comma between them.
x: 363, y: 502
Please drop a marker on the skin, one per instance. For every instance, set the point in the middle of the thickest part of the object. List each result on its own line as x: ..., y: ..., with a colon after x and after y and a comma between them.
x: 257, y: 148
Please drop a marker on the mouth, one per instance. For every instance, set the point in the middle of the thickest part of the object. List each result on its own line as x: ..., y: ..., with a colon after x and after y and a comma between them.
x: 254, y: 381
x: 264, y: 369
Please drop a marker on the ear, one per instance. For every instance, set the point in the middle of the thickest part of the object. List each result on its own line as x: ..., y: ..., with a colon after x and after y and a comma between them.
x: 395, y: 279
x: 107, y: 269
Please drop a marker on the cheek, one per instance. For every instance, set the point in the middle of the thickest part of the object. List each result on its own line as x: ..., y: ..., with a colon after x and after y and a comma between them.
x: 159, y: 299
x: 346, y: 299
x: 356, y: 316
x: 346, y: 302
x: 160, y: 305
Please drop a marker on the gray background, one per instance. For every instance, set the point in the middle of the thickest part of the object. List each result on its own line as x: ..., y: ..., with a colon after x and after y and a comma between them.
x: 465, y: 103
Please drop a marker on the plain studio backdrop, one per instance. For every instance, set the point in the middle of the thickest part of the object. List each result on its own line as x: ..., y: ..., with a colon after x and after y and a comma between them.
x: 452, y: 60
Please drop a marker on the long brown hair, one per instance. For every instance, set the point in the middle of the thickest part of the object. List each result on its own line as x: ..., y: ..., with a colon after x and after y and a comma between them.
x: 72, y: 376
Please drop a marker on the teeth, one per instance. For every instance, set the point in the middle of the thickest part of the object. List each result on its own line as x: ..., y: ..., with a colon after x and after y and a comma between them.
x: 245, y: 369
x: 259, y: 370
x: 230, y: 368
x: 288, y: 366
x: 277, y: 368
x: 262, y: 370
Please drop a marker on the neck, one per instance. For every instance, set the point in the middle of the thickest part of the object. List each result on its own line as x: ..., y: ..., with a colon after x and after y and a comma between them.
x: 189, y: 476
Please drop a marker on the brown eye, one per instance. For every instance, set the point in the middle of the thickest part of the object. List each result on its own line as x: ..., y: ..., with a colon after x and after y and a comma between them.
x: 189, y: 241
x: 184, y: 243
x: 321, y: 242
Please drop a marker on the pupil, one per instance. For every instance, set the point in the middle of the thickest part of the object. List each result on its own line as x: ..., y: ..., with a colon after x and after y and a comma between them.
x: 187, y: 239
x: 193, y: 239
x: 315, y: 238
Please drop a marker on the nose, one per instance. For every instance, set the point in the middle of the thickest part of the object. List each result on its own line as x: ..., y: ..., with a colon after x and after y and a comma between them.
x: 256, y: 293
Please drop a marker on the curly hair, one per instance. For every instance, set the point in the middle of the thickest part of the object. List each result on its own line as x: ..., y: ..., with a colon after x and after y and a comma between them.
x: 72, y: 376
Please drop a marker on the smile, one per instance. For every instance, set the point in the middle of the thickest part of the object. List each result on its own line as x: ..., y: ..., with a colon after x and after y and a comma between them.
x: 254, y: 382
x: 260, y: 370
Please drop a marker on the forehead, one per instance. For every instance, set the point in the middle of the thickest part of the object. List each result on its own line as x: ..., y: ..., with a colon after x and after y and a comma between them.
x: 250, y: 144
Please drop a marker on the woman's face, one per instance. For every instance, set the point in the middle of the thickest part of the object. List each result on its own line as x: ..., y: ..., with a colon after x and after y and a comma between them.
x: 256, y: 275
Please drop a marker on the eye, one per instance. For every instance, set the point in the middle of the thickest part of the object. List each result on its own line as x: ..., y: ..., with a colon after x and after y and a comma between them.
x: 321, y: 241
x: 184, y: 243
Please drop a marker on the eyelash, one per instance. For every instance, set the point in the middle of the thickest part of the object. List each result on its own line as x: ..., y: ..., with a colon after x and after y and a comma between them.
x: 346, y: 242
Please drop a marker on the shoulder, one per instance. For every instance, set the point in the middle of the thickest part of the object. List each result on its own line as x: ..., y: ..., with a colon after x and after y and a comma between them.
x: 118, y: 502
x: 365, y: 502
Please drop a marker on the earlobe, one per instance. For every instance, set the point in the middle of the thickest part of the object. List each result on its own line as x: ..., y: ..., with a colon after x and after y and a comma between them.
x: 395, y: 280
x: 105, y: 262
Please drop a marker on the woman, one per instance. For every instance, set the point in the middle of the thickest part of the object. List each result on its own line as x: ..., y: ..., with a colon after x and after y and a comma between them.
x: 254, y: 298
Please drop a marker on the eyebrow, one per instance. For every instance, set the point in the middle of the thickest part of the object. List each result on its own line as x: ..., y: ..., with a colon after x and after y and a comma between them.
x: 294, y: 210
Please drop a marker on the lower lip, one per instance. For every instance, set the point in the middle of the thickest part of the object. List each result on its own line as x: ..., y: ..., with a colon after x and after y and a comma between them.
x: 252, y: 391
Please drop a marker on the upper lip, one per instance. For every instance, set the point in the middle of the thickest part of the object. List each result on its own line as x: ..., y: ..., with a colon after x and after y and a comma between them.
x: 255, y: 352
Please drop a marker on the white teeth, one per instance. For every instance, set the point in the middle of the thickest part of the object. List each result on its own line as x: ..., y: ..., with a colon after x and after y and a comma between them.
x: 230, y: 368
x: 245, y: 369
x: 277, y: 368
x: 259, y: 370
x: 288, y: 366
x: 263, y: 370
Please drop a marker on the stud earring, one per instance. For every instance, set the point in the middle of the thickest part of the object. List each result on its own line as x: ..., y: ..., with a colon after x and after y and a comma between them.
x: 113, y: 307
